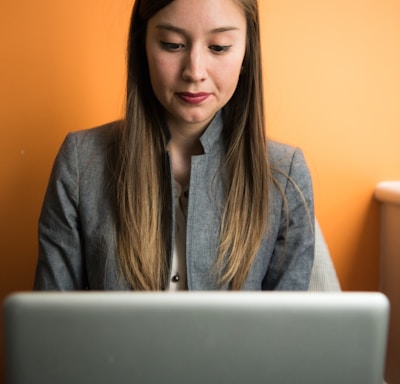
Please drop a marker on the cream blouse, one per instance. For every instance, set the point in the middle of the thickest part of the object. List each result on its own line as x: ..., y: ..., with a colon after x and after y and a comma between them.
x: 178, y: 280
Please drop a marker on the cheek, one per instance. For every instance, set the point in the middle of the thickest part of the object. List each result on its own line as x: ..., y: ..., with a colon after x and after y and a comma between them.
x: 162, y: 71
x: 229, y: 77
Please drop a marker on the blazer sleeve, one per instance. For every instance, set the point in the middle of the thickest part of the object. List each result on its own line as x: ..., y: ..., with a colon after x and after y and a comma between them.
x: 61, y: 263
x: 293, y: 254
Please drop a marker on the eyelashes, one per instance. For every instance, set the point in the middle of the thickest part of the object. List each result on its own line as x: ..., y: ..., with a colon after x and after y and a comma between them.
x: 171, y: 46
x: 176, y: 47
x: 220, y: 48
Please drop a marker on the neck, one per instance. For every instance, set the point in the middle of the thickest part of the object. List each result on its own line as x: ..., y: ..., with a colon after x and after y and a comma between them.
x: 182, y: 146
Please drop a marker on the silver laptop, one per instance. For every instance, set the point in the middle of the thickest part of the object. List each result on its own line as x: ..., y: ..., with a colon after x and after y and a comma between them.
x: 193, y: 338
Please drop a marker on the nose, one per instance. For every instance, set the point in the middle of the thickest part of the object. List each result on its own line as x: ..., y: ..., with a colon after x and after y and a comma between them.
x: 195, y: 66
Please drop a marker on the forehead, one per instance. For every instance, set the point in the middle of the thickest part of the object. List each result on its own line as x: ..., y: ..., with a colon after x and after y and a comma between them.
x: 201, y: 15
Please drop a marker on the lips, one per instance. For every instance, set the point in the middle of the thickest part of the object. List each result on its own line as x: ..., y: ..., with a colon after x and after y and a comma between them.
x: 193, y: 98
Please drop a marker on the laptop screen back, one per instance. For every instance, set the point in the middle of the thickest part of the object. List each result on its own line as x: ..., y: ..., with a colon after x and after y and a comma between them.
x: 190, y: 338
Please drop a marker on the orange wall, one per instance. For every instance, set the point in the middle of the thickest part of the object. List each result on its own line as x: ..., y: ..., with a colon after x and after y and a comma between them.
x: 332, y: 82
x: 333, y: 87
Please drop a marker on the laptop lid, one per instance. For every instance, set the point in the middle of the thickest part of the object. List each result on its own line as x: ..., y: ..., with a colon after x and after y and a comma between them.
x: 193, y: 338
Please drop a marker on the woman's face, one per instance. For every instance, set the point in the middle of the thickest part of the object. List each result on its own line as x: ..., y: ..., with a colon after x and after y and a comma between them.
x: 195, y: 51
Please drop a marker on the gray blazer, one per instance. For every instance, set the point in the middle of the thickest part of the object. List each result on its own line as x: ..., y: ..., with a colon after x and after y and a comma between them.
x: 77, y: 241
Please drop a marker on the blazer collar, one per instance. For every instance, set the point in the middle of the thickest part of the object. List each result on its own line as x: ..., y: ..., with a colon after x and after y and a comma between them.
x: 212, y: 133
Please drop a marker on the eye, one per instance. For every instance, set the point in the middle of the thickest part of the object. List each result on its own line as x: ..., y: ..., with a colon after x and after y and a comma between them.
x: 171, y: 46
x: 220, y: 48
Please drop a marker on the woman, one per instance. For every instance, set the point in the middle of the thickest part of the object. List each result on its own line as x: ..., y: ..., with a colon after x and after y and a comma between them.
x: 186, y: 192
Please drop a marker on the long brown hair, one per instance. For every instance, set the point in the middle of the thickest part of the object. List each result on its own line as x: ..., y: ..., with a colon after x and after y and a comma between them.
x: 143, y: 190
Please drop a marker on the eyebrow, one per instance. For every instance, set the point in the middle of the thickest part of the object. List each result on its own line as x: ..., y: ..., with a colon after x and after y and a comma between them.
x: 173, y: 28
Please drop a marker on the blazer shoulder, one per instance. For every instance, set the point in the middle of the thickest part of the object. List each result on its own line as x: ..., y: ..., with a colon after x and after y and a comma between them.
x: 281, y: 156
x: 286, y: 160
x: 101, y: 136
x: 278, y: 151
x: 93, y: 143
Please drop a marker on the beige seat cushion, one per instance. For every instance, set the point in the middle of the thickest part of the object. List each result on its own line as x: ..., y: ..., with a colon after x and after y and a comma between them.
x: 323, y: 275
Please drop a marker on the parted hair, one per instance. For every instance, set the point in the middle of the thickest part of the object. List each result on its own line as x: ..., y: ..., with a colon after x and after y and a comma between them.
x: 143, y: 188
